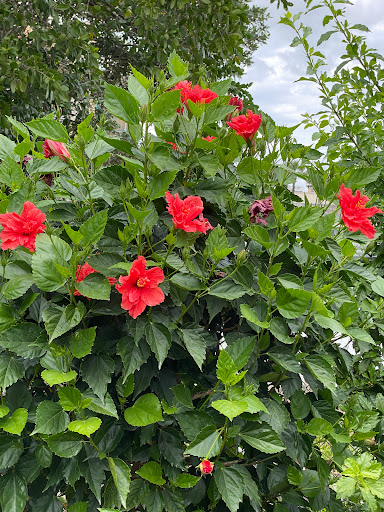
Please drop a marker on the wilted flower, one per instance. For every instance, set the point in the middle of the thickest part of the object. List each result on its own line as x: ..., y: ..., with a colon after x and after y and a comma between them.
x: 260, y: 209
x: 238, y: 103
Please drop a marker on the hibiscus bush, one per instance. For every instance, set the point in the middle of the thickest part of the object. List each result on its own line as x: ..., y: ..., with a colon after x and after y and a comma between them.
x: 178, y: 332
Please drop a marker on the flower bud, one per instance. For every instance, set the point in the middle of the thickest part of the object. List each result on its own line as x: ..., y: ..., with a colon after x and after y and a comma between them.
x: 206, y: 467
x: 241, y: 257
x: 144, y: 113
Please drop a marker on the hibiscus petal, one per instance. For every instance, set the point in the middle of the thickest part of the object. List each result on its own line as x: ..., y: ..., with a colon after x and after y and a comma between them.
x: 155, y: 275
x: 152, y: 296
x: 139, y: 265
x: 137, y: 309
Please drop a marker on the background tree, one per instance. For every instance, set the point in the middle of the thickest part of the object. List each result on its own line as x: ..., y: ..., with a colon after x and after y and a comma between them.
x: 57, y: 53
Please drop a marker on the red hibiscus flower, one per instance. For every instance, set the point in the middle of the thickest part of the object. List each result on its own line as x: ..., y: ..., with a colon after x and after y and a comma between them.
x: 209, y: 138
x: 52, y: 148
x: 196, y: 94
x: 238, y: 103
x: 184, y: 213
x: 206, y: 467
x: 21, y: 230
x: 246, y: 126
x: 353, y: 211
x: 84, y: 270
x: 141, y: 287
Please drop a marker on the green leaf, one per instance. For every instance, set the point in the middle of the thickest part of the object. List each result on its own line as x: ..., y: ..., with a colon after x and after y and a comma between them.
x: 111, y: 178
x: 69, y: 398
x: 4, y: 410
x: 161, y: 183
x: 80, y: 506
x: 195, y: 345
x: 50, y: 418
x: 300, y: 405
x: 49, y: 250
x: 93, y: 228
x: 292, y: 302
x: 230, y: 485
x: 14, y: 493
x: 186, y: 282
x: 319, y: 427
x: 259, y: 235
x: 59, y: 320
x: 176, y: 65
x: 26, y: 340
x: 241, y: 350
x: 230, y: 408
x: 248, y: 170
x: 164, y: 107
x: 285, y: 358
x: 137, y: 89
x: 159, y: 339
x: 206, y: 443
x: 251, y: 315
x: 81, y: 342
x: 226, y: 368
x: 10, y: 371
x: 132, y: 355
x: 210, y: 163
x: 227, y: 290
x: 96, y: 371
x: 48, y: 129
x: 263, y: 438
x: 93, y: 470
x: 19, y: 127
x: 94, y: 286
x: 67, y: 444
x: 54, y: 377
x: 152, y: 472
x: 280, y: 330
x: 322, y: 370
x: 7, y: 317
x: 122, y: 104
x: 15, y: 424
x: 304, y: 217
x: 145, y: 411
x: 186, y: 481
x: 11, y: 449
x: 16, y: 287
x: 43, y: 456
x: 11, y: 173
x: 378, y: 286
x: 254, y: 405
x: 121, y: 474
x: 105, y: 406
x: 85, y: 427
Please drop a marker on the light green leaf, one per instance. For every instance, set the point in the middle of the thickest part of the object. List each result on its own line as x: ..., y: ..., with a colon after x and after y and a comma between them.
x: 85, y: 427
x: 54, y: 377
x: 49, y: 250
x: 15, y: 424
x: 11, y: 173
x: 16, y: 287
x: 94, y: 286
x: 186, y: 481
x: 145, y: 411
x: 122, y: 104
x: 206, y: 444
x: 250, y: 314
x: 227, y: 290
x: 164, y: 107
x: 319, y: 427
x: 303, y: 217
x: 292, y: 302
x: 322, y: 370
x: 230, y: 408
x: 69, y: 398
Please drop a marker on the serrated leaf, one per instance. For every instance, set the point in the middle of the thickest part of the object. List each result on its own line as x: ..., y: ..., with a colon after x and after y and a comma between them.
x: 96, y: 370
x: 93, y: 228
x: 15, y: 424
x: 50, y: 418
x: 159, y: 339
x: 67, y: 444
x: 195, y: 345
x: 152, y: 472
x: 121, y: 474
x: 263, y: 438
x: 54, y: 377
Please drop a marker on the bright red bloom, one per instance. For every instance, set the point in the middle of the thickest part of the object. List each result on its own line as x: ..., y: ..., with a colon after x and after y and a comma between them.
x: 209, y: 138
x: 238, y: 103
x: 206, y: 467
x: 52, y: 148
x: 246, y: 126
x: 21, y: 230
x: 196, y: 94
x: 84, y: 270
x: 141, y: 287
x: 355, y: 215
x: 184, y: 213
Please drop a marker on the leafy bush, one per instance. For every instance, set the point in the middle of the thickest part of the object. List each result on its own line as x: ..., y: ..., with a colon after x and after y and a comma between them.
x: 173, y: 326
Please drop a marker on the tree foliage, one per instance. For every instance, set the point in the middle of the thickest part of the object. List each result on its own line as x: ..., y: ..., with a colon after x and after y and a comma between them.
x: 56, y: 53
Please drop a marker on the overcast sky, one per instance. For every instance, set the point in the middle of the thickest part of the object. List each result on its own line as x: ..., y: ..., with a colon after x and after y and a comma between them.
x: 277, y: 65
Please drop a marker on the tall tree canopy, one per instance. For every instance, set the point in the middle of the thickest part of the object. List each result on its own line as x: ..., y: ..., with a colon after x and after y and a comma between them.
x: 56, y: 52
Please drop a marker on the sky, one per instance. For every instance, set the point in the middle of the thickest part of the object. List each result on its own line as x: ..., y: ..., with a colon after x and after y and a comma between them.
x: 277, y: 65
